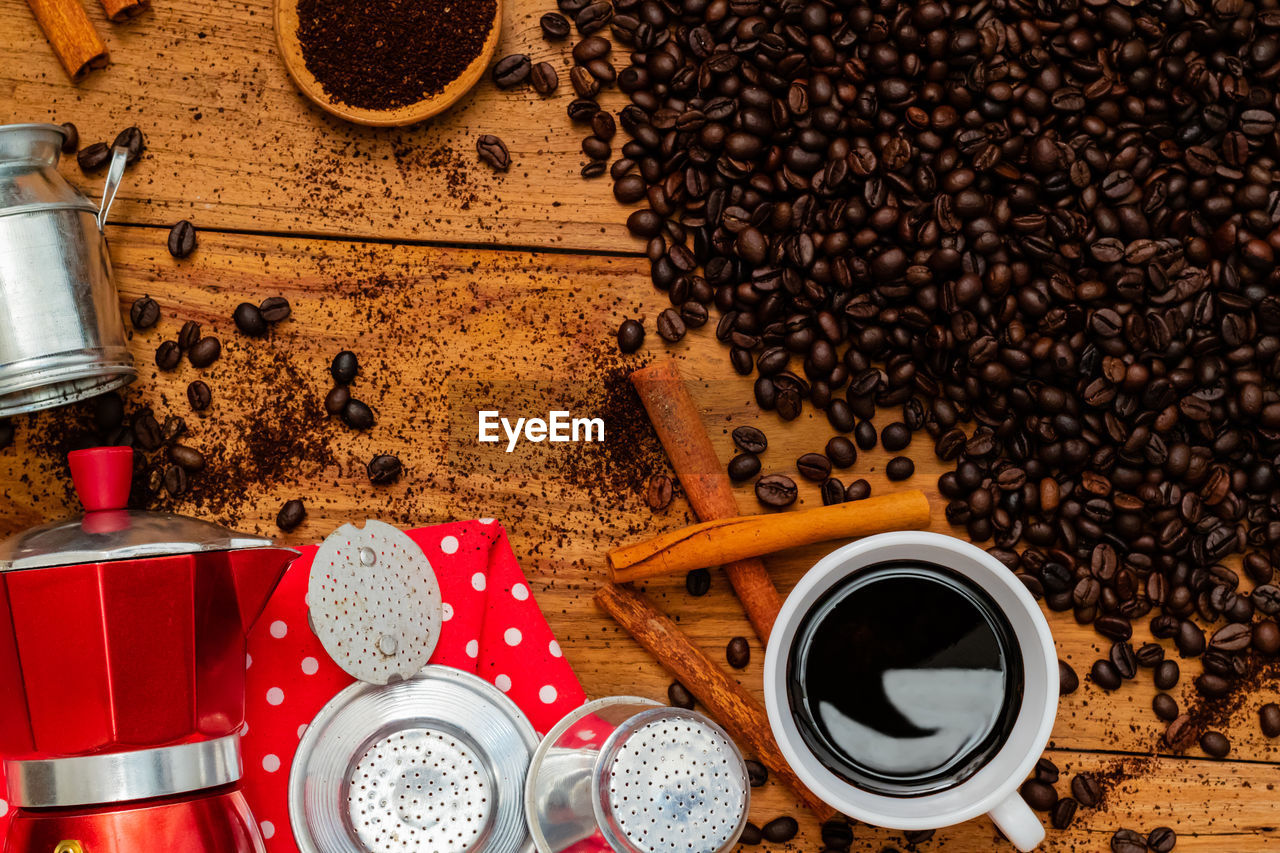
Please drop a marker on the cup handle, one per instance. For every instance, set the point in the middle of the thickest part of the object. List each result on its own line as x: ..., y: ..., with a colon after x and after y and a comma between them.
x: 1018, y: 822
x: 119, y: 158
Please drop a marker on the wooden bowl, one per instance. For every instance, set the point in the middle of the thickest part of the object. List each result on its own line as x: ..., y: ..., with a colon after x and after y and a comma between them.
x: 286, y: 23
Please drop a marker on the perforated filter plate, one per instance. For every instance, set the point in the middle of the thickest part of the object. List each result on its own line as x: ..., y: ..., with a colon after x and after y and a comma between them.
x: 671, y: 781
x: 435, y: 764
x: 374, y: 602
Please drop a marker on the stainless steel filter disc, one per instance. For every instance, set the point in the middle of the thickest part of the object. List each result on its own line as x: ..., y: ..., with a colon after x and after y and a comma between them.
x: 435, y: 764
x: 374, y: 602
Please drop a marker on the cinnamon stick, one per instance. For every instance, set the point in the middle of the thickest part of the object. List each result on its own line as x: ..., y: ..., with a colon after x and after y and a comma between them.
x: 731, y: 539
x: 121, y: 10
x: 71, y: 33
x: 679, y: 426
x: 738, y: 711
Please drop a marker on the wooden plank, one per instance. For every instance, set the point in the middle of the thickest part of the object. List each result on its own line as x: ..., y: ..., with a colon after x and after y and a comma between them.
x: 233, y: 145
x: 442, y: 331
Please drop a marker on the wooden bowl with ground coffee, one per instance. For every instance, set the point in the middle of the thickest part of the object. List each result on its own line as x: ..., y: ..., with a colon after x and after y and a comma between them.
x: 386, y: 62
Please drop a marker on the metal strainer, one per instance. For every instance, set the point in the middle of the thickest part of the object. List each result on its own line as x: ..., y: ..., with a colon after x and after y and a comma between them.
x: 642, y: 777
x: 435, y: 764
x: 374, y: 602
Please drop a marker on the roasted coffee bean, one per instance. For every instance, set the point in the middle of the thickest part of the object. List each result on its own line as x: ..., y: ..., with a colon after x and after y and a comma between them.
x: 678, y: 696
x: 1068, y: 681
x: 814, y: 466
x: 175, y: 481
x: 1269, y: 717
x: 857, y: 490
x: 205, y: 351
x: 895, y: 437
x: 751, y: 835
x: 1046, y: 771
x: 290, y: 515
x: 832, y: 491
x: 1215, y: 744
x: 780, y: 830
x: 131, y: 140
x: 630, y: 336
x: 384, y: 469
x: 841, y: 451
x: 776, y: 490
x: 917, y: 836
x: 659, y: 492
x: 1128, y: 841
x: 864, y: 434
x: 336, y: 400
x: 744, y: 466
x: 1165, y: 706
x: 544, y: 78
x: 357, y: 414
x: 595, y: 147
x: 493, y: 152
x: 511, y: 71
x: 1162, y: 839
x: 1038, y: 795
x: 899, y: 468
x: 144, y: 313
x: 188, y: 457
x: 671, y: 327
x: 1166, y: 675
x: 1189, y: 640
x: 275, y: 309
x: 1149, y: 655
x: 750, y: 440
x: 199, y: 396
x: 1124, y: 660
x: 757, y: 773
x: 1231, y: 638
x: 1063, y: 813
x: 249, y: 319
x: 1104, y: 675
x: 189, y: 335
x: 554, y: 26
x: 182, y: 239
x: 146, y: 431
x: 697, y: 582
x: 837, y: 834
x: 1086, y: 789
x: 345, y: 367
x: 70, y: 138
x: 93, y: 157
x: 168, y: 354
x: 1266, y: 637
x: 738, y: 653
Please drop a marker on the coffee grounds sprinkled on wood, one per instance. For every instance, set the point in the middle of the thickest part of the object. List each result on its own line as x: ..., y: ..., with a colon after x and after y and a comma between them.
x: 384, y: 54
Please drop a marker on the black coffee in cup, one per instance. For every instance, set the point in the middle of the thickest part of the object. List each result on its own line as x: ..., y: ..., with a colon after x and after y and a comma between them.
x: 905, y: 679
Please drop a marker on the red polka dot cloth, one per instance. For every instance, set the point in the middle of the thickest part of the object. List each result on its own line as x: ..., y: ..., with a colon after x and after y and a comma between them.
x: 492, y: 628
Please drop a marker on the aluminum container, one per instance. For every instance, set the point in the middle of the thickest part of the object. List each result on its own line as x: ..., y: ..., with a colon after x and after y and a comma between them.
x: 61, y: 335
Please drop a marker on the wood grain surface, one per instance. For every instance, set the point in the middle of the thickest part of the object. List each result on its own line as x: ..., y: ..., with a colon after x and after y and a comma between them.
x: 384, y: 242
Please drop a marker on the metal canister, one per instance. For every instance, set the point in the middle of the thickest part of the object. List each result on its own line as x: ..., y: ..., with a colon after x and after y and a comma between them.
x: 61, y: 333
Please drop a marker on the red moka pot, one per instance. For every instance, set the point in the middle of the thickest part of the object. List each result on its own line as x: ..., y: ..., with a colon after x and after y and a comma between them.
x: 125, y: 629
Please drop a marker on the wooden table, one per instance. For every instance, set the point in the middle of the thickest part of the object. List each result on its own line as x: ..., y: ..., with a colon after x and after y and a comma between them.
x: 459, y: 289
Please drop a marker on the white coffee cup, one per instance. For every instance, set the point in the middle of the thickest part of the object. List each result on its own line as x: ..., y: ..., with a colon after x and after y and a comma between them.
x: 993, y: 789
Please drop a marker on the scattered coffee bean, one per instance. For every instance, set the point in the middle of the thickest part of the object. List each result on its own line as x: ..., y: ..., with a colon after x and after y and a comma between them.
x: 1266, y: 636
x: 1124, y: 660
x: 1166, y: 675
x: 1162, y: 839
x: 864, y: 434
x: 1046, y: 771
x: 511, y: 71
x: 738, y: 653
x: 1215, y: 744
x: 895, y: 437
x: 357, y: 415
x: 383, y: 469
x: 175, y: 481
x: 554, y: 26
x: 188, y: 457
x: 249, y: 320
x: 168, y: 354
x: 671, y: 327
x: 544, y: 78
x: 205, y: 352
x: 1269, y: 717
x: 1165, y: 707
x: 630, y: 336
x: 1104, y: 675
x: 290, y: 515
x: 199, y: 397
x: 814, y: 466
x: 660, y: 492
x: 832, y: 491
x: 93, y: 157
x: 144, y: 313
x: 917, y: 836
x: 1128, y: 841
x: 493, y: 152
x: 189, y: 336
x: 857, y: 490
x: 182, y: 239
x: 1038, y: 795
x: 697, y: 582
x: 1068, y: 681
x: 1150, y: 655
x: 899, y: 468
x: 1189, y: 640
x: 1086, y: 789
x: 780, y: 830
x: 70, y: 138
x: 679, y: 696
x: 1180, y: 734
x: 131, y: 140
x: 750, y: 440
x: 751, y: 835
x: 776, y: 491
x: 841, y: 451
x: 345, y: 367
x: 743, y: 467
x: 336, y: 400
x: 146, y: 430
x: 757, y: 773
x: 275, y: 309
x: 1063, y: 813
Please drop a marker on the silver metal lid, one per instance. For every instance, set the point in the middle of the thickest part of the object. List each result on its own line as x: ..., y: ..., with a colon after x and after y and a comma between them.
x: 118, y: 777
x: 374, y: 602
x: 433, y: 764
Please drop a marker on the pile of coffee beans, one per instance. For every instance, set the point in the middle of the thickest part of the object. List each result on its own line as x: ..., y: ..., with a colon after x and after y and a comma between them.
x: 1043, y: 234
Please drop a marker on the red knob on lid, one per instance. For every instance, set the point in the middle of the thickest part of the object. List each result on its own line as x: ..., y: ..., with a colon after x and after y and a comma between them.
x: 102, y: 476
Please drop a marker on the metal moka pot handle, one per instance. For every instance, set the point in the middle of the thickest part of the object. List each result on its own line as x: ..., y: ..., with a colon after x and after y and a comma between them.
x: 119, y: 159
